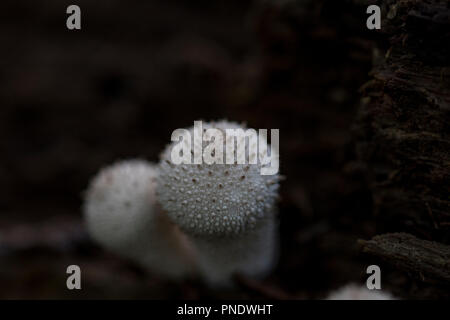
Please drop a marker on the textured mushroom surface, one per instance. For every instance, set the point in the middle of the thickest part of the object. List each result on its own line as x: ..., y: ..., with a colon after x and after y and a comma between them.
x: 216, y: 199
x: 122, y: 215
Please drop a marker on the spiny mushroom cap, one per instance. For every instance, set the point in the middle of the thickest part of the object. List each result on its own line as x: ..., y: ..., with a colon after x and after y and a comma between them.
x: 217, y: 199
x: 119, y: 202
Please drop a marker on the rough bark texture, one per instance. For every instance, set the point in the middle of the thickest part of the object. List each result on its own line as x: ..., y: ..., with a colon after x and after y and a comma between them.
x: 403, y: 126
x: 425, y: 260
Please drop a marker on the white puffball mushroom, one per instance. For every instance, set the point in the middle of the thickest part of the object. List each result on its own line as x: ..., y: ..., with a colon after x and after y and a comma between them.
x: 122, y: 215
x: 357, y: 292
x: 227, y: 210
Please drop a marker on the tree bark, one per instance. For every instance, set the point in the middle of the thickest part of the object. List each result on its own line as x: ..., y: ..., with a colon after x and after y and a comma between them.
x: 403, y: 126
x: 425, y: 260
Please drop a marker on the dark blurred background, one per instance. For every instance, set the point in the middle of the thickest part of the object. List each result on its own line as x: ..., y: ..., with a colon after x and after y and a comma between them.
x: 72, y: 102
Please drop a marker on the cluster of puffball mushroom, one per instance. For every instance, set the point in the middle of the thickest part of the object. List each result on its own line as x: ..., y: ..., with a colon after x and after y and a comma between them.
x: 208, y: 220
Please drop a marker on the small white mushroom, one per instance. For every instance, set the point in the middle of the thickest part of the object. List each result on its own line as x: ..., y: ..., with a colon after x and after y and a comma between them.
x: 122, y: 215
x: 357, y: 292
x: 227, y: 210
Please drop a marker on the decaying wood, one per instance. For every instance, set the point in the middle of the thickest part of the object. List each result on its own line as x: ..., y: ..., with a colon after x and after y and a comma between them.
x: 425, y: 260
x: 403, y: 127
